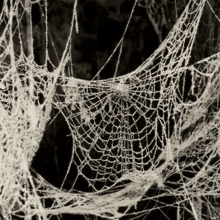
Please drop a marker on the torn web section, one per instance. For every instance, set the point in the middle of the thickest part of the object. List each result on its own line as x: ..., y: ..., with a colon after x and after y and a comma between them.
x: 194, y: 147
x: 26, y: 88
x: 22, y: 118
x: 204, y: 89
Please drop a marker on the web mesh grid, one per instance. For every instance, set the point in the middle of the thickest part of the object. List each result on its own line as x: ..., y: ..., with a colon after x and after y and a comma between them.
x: 128, y: 133
x: 121, y: 125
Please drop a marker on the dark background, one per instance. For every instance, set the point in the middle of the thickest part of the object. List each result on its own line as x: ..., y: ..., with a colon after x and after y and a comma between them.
x: 101, y: 25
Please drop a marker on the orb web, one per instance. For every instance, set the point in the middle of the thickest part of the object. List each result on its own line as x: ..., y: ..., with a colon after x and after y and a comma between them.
x: 129, y: 133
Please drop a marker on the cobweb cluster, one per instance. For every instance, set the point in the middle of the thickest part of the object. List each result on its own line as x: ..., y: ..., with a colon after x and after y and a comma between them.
x: 129, y: 133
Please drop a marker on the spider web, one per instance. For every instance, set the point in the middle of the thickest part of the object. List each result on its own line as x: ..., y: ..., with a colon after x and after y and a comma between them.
x: 129, y: 132
x: 121, y: 125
